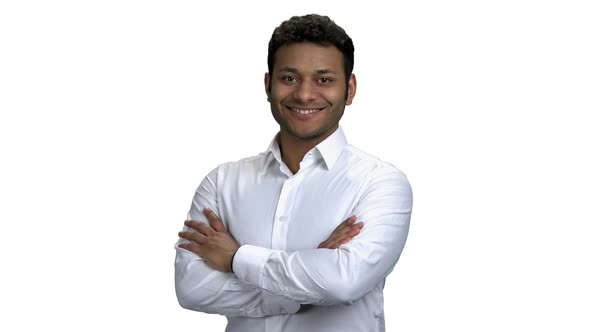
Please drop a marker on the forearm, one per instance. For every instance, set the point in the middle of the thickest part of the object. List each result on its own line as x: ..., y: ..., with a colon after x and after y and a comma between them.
x: 323, y: 276
x: 200, y: 288
x: 343, y: 275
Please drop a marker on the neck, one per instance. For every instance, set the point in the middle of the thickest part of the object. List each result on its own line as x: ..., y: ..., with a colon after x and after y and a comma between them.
x: 293, y: 148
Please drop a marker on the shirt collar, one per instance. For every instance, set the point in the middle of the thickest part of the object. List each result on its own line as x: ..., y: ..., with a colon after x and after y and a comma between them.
x: 330, y: 149
x: 274, y: 150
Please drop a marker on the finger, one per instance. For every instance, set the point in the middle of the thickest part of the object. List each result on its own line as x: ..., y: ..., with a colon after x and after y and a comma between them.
x: 328, y: 245
x: 214, y: 220
x: 348, y: 228
x: 345, y: 228
x: 349, y: 221
x: 200, y: 227
x: 351, y: 232
x: 354, y: 232
x: 194, y: 248
x: 339, y: 240
x: 355, y: 229
x: 346, y: 240
x: 342, y: 225
x: 193, y: 236
x: 349, y: 237
x: 359, y: 225
x: 341, y: 232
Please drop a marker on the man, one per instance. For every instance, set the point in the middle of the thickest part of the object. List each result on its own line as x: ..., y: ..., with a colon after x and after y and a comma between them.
x: 265, y: 244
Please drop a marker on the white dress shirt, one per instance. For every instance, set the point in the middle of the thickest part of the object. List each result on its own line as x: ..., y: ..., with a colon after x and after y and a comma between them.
x: 279, y: 219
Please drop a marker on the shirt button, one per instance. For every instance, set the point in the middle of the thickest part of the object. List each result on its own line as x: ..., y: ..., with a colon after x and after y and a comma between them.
x: 282, y: 218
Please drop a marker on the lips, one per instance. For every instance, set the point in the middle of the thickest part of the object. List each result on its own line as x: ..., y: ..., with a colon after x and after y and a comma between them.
x: 304, y: 112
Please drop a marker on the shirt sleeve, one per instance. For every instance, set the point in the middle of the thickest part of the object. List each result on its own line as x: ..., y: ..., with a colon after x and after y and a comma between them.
x: 343, y: 275
x: 199, y: 287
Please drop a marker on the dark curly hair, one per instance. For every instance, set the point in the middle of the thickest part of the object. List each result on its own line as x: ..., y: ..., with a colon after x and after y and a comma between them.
x: 316, y: 29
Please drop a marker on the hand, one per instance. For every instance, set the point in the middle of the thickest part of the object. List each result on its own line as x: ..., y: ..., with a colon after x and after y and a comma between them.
x: 342, y: 234
x: 213, y: 243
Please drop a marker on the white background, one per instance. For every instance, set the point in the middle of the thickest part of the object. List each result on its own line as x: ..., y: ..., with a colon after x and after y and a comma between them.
x: 113, y: 111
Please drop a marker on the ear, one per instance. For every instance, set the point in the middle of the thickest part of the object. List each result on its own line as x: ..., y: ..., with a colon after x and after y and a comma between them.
x: 351, y: 89
x: 267, y: 85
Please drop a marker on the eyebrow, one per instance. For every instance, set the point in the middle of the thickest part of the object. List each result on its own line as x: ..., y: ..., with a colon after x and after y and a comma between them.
x: 326, y: 71
x: 287, y: 69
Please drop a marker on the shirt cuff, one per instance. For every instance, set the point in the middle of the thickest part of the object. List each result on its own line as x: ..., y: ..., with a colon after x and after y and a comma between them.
x: 249, y: 263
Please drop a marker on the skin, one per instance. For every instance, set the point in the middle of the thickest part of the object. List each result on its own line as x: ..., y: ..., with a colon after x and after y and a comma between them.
x: 306, y: 76
x: 217, y: 247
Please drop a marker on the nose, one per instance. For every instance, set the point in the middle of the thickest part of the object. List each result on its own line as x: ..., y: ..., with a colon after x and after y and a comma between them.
x: 305, y: 91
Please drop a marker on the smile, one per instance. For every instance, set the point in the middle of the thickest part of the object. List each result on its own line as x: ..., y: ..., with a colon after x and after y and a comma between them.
x: 305, y: 111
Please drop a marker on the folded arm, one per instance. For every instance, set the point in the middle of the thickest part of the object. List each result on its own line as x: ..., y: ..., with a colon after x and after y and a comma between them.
x: 200, y: 287
x: 326, y: 277
x: 204, y: 253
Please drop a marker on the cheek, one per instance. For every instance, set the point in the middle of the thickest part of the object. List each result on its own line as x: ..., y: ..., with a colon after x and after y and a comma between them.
x: 277, y: 95
x: 275, y: 100
x: 275, y: 103
x: 280, y: 90
x: 335, y: 93
x: 335, y: 97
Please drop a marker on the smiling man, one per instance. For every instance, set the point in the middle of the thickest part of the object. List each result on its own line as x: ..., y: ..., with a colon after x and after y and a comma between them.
x: 302, y: 236
x: 308, y: 91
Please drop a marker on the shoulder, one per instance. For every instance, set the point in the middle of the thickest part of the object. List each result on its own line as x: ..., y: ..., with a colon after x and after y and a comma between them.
x: 375, y: 166
x: 248, y: 164
x: 233, y: 171
x: 383, y: 182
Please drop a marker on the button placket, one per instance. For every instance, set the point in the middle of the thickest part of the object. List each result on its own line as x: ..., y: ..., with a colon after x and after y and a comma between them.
x: 280, y: 225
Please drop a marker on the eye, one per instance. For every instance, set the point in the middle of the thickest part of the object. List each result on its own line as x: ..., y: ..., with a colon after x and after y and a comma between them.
x: 325, y: 80
x: 288, y: 78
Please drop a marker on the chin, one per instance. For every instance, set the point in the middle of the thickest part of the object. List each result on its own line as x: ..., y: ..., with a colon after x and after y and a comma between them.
x: 306, y: 134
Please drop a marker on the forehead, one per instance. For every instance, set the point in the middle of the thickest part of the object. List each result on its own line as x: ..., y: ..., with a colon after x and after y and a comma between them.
x: 308, y: 56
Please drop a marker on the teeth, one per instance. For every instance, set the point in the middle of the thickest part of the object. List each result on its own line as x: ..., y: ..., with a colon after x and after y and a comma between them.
x: 306, y: 111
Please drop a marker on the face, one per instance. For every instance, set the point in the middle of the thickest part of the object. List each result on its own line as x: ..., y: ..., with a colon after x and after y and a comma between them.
x: 307, y: 90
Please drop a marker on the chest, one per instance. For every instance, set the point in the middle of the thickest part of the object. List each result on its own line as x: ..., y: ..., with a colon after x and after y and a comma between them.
x: 288, y: 214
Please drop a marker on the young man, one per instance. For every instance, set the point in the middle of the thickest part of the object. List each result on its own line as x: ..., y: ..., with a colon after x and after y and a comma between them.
x: 274, y: 254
